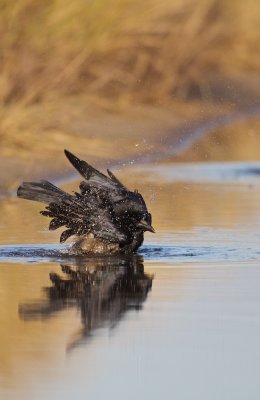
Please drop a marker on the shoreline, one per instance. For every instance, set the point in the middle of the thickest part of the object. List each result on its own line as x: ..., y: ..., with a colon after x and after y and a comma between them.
x: 141, y: 136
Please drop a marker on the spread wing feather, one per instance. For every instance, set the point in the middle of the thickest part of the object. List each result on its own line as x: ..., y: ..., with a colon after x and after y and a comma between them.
x: 43, y: 191
x: 82, y: 214
x: 86, y: 170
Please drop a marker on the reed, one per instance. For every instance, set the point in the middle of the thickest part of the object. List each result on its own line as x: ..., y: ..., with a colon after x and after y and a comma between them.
x: 148, y: 51
x: 62, y: 64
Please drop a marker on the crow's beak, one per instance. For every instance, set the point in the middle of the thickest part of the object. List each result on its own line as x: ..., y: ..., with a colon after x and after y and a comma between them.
x: 145, y: 226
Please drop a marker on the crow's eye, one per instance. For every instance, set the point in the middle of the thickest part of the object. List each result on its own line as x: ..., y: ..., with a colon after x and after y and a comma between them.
x: 148, y: 218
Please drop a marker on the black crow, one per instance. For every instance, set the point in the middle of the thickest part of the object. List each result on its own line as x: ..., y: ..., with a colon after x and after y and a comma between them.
x: 105, y: 216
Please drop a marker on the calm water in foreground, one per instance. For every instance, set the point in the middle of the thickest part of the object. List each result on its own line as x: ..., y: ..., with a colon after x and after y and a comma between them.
x: 181, y: 320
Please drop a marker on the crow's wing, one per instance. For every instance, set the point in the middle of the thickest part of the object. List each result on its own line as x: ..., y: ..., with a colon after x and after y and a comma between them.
x: 43, y: 191
x: 82, y: 215
x: 90, y: 173
x: 122, y: 200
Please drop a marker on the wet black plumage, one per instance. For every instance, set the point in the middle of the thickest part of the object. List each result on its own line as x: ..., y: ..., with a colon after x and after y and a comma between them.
x: 104, y: 212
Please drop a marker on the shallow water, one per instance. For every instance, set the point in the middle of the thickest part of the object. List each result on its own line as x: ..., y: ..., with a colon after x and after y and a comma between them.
x: 180, y: 320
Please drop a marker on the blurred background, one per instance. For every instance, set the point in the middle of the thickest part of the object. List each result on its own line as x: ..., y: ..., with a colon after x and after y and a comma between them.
x: 148, y: 75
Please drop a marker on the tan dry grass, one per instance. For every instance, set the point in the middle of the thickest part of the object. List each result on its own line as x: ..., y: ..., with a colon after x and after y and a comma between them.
x: 58, y: 57
x: 127, y: 49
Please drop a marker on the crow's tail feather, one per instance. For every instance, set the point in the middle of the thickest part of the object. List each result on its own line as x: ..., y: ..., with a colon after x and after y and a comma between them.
x: 43, y: 191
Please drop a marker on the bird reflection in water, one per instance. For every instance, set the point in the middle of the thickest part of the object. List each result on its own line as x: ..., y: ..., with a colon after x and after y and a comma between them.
x: 103, y: 289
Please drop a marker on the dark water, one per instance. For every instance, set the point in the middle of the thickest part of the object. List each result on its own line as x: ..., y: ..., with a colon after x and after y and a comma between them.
x: 179, y: 320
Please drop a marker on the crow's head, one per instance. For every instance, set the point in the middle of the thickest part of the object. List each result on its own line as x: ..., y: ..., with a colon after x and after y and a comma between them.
x: 145, y: 223
x: 132, y: 213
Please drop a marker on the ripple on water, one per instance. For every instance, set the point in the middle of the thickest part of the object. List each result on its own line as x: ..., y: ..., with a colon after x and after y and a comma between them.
x: 157, y: 253
x: 33, y: 253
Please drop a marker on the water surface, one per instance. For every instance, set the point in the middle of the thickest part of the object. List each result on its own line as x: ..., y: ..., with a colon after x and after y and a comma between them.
x: 180, y: 320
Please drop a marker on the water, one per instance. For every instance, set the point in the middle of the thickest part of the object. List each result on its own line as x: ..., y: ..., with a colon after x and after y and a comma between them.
x: 180, y: 320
